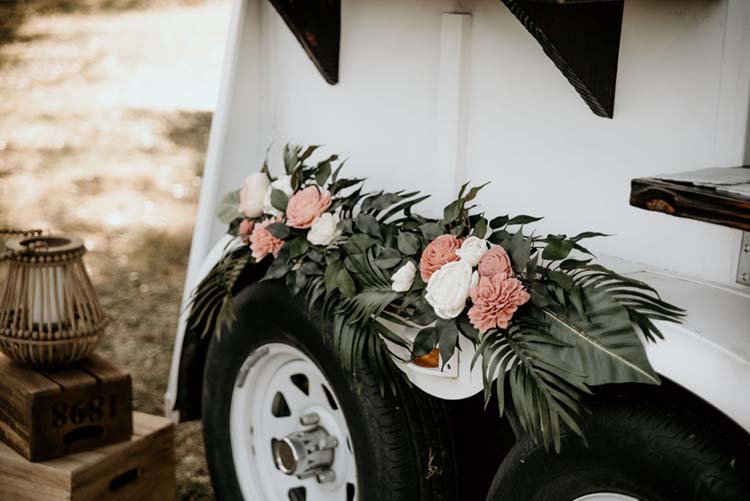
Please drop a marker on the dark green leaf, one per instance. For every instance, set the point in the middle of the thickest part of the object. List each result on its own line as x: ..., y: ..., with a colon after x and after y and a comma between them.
x: 523, y: 220
x: 388, y: 258
x: 278, y: 230
x: 331, y: 274
x: 425, y: 342
x: 451, y: 212
x: 279, y: 200
x: 480, y: 229
x: 557, y: 248
x: 448, y: 337
x: 498, y: 222
x: 367, y: 223
x: 345, y: 283
x: 465, y: 327
x: 324, y: 172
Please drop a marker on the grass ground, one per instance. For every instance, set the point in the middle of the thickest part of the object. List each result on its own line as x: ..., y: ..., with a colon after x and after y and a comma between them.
x: 105, y: 108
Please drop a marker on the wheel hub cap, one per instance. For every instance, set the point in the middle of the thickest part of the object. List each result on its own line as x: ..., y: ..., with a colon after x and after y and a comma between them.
x: 306, y: 453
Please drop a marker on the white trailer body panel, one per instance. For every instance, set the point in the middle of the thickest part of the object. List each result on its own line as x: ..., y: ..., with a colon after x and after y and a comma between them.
x: 434, y: 92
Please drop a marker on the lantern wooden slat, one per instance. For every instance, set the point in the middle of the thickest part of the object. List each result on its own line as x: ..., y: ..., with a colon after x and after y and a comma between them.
x: 49, y: 312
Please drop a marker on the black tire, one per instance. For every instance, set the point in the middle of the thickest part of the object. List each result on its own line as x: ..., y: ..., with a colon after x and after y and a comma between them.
x: 402, y: 445
x: 646, y: 448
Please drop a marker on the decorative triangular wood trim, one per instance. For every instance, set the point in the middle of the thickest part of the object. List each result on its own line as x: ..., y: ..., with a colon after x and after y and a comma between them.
x: 317, y: 26
x: 582, y: 38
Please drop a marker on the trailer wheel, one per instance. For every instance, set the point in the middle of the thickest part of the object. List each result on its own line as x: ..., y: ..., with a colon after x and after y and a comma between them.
x: 284, y: 421
x: 638, y: 449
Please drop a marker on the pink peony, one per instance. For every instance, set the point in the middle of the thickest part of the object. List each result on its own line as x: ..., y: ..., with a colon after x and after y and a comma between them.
x: 495, y: 300
x: 262, y: 243
x: 246, y: 228
x: 306, y: 205
x: 495, y: 262
x: 440, y: 251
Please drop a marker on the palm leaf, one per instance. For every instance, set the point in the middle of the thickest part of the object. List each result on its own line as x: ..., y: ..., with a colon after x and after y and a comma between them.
x: 543, y: 391
x: 606, y: 345
x: 211, y: 304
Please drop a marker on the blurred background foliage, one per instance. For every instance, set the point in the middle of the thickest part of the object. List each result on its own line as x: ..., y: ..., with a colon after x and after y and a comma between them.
x: 105, y: 109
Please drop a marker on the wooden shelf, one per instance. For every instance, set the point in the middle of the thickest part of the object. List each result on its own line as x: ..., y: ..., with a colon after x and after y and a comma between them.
x: 692, y: 202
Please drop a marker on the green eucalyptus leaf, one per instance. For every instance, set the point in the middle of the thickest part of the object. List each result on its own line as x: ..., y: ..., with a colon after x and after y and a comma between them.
x: 358, y: 243
x: 228, y: 209
x: 431, y: 230
x: 408, y: 243
x: 388, y: 258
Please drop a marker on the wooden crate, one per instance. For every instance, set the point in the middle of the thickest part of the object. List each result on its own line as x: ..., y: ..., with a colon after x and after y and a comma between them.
x: 140, y: 469
x: 44, y: 415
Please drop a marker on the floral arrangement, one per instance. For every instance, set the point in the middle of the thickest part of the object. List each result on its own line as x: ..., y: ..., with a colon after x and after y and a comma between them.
x: 547, y: 322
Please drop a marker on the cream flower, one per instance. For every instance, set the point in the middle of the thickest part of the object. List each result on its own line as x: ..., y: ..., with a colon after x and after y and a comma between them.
x: 472, y: 249
x: 448, y: 289
x: 252, y: 193
x: 283, y: 184
x: 404, y: 277
x: 324, y: 229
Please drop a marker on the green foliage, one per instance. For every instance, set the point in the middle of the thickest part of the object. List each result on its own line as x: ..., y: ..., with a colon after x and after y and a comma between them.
x: 580, y: 329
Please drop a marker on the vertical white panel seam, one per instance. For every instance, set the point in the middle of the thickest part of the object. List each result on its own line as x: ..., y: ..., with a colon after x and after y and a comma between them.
x: 452, y: 100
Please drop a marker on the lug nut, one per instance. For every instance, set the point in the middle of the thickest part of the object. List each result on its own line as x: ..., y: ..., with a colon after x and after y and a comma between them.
x: 327, y: 476
x: 309, y: 419
x: 327, y: 443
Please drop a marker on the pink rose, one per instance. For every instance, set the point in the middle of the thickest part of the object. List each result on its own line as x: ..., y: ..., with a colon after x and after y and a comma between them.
x: 440, y: 251
x: 495, y: 300
x: 262, y: 243
x: 306, y: 205
x: 246, y: 228
x: 495, y: 262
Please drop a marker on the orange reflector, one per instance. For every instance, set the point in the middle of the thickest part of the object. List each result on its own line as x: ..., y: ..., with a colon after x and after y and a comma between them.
x: 431, y: 360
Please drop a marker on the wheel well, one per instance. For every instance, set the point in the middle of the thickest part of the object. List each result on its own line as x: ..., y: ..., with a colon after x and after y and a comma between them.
x: 680, y: 397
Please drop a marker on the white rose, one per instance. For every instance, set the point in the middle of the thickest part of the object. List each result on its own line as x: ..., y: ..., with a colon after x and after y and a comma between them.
x: 404, y: 277
x: 284, y: 184
x: 474, y: 280
x: 448, y: 289
x: 324, y: 229
x: 251, y: 197
x: 472, y: 250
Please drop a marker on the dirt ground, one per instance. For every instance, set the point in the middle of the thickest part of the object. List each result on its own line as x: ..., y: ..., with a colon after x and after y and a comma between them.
x: 105, y: 109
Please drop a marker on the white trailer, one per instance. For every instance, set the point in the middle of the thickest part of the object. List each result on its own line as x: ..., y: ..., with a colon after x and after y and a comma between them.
x: 460, y: 90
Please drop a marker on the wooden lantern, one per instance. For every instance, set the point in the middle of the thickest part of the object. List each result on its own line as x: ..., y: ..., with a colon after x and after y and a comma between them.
x: 49, y: 313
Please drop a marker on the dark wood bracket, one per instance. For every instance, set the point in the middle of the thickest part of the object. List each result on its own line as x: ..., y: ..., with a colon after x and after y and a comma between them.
x: 317, y: 26
x: 582, y: 38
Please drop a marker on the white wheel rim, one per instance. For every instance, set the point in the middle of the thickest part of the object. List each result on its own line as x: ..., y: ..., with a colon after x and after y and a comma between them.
x: 266, y: 373
x: 605, y: 496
